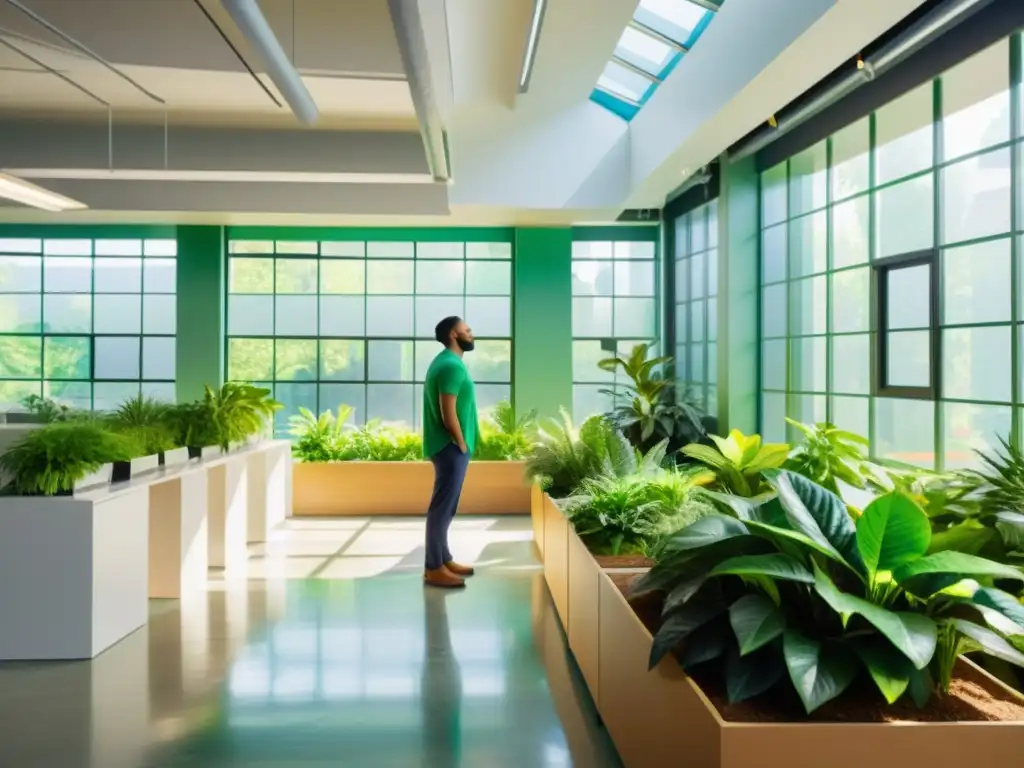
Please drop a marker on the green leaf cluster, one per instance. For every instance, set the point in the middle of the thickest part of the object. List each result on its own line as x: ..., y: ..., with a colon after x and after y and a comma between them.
x: 739, y: 461
x: 231, y: 414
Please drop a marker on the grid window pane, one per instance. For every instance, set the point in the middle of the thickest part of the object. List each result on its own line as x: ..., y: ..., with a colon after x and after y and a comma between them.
x: 908, y: 303
x: 851, y: 300
x: 343, y: 276
x: 117, y: 313
x: 489, y: 278
x: 160, y: 314
x: 108, y: 395
x: 970, y: 429
x: 976, y: 102
x: 67, y: 275
x: 21, y: 357
x: 117, y: 357
x: 295, y: 359
x: 295, y: 315
x: 851, y: 364
x: 390, y: 360
x: 976, y: 196
x: 850, y: 227
x: 67, y: 314
x: 904, y: 135
x: 20, y: 313
x: 342, y: 360
x: 430, y: 310
x: 808, y: 245
x: 250, y: 359
x: 441, y: 277
x: 489, y: 315
x: 774, y: 254
x: 977, y: 283
x: 851, y: 160
x: 808, y: 190
x: 389, y: 316
x: 808, y: 310
x: 67, y: 357
x: 905, y: 216
x: 592, y: 278
x: 908, y: 359
x: 21, y: 274
x: 158, y: 358
x: 118, y: 276
x: 976, y: 363
x: 342, y: 315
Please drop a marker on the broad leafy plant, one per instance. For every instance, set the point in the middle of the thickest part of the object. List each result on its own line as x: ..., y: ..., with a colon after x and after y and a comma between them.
x: 563, y: 457
x: 240, y: 410
x: 829, y: 456
x: 646, y: 409
x: 793, y: 591
x: 319, y: 438
x: 738, y: 461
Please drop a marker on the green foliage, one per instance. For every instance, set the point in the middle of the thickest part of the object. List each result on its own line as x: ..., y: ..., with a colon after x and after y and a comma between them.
x: 147, y: 422
x: 46, y: 409
x: 817, y: 600
x: 646, y: 409
x: 504, y: 437
x: 739, y: 461
x: 51, y: 459
x: 829, y: 456
x: 318, y: 438
x: 376, y: 442
x: 229, y: 415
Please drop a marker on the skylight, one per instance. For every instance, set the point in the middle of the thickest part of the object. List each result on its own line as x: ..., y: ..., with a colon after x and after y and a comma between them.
x: 658, y: 36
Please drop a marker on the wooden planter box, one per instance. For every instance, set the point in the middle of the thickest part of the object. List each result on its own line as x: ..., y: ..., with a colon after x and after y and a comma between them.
x: 661, y: 717
x: 403, y: 488
x: 537, y: 497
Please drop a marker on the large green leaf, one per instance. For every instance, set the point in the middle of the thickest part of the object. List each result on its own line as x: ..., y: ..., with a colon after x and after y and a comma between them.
x: 755, y: 621
x: 677, y: 568
x: 921, y: 686
x: 1003, y: 602
x: 819, y: 672
x: 703, y: 607
x: 775, y: 565
x: 705, y: 454
x: 889, y: 668
x: 749, y: 676
x: 892, y: 530
x: 914, y: 634
x: 708, y: 530
x: 928, y: 575
x: 682, y: 593
x: 818, y: 514
x: 990, y: 642
x: 970, y: 536
x: 706, y: 643
x: 1011, y: 527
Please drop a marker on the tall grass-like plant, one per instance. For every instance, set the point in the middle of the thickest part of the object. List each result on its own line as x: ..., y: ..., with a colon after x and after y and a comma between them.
x: 49, y: 461
x: 147, y: 422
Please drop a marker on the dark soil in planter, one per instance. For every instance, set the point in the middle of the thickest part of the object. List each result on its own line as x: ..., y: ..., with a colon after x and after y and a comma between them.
x: 972, y: 697
x: 623, y: 561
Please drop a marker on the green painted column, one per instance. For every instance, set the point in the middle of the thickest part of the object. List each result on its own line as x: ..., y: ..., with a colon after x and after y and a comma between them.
x: 200, y: 347
x: 738, y: 319
x: 542, y: 321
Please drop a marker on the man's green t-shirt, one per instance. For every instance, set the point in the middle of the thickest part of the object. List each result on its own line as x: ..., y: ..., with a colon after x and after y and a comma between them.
x: 448, y: 375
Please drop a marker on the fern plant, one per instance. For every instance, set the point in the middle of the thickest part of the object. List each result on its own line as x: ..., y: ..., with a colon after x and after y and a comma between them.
x: 147, y: 422
x: 240, y: 410
x: 563, y: 457
x: 505, y: 437
x: 739, y: 461
x: 319, y: 438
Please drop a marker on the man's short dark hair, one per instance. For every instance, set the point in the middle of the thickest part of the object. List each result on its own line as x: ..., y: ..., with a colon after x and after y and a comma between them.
x: 444, y: 329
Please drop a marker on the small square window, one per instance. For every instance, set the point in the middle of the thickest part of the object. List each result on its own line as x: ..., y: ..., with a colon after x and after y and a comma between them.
x: 907, y: 354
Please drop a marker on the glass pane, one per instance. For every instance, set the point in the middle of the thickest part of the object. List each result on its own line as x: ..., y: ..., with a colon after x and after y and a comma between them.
x: 806, y: 409
x: 158, y: 358
x: 69, y: 275
x: 490, y: 361
x: 489, y: 278
x: 67, y: 314
x: 250, y: 275
x: 773, y: 417
x: 585, y: 357
x: 773, y: 364
x: 290, y: 246
x: 968, y: 429
x: 851, y: 364
x: 390, y: 250
x: 118, y: 276
x: 851, y: 414
x: 109, y: 395
x: 976, y: 363
x: 633, y: 249
x: 21, y: 357
x: 587, y: 400
x: 634, y: 278
x: 389, y: 277
x: 591, y: 250
x: 430, y: 310
x: 698, y: 231
x: 389, y: 316
x: 67, y: 247
x: 21, y: 313
x: 643, y: 51
x: 160, y: 247
x: 160, y: 276
x: 850, y: 227
x: 487, y: 397
x: 67, y: 357
x: 251, y: 246
x: 74, y: 394
x: 444, y: 277
x: 117, y: 357
x: 712, y: 320
x: 342, y: 276
x: 489, y: 316
x: 292, y: 397
x: 592, y: 278
x: 851, y: 165
x: 342, y: 360
x: 592, y: 317
x: 251, y: 315
x: 976, y: 102
x: 682, y: 322
x: 390, y: 361
x: 808, y: 245
x: 250, y: 359
x: 808, y: 364
x: 295, y: 359
x: 697, y: 362
x: 712, y: 371
x: 21, y: 274
x: 774, y: 195
x: 905, y: 431
x: 851, y: 300
x: 976, y: 197
x: 295, y: 275
x: 118, y: 313
x: 488, y: 250
x: 391, y: 403
x: 903, y: 135
x: 712, y: 267
x: 623, y: 82
x: 342, y: 316
x: 160, y: 313
x: 908, y: 294
x: 677, y: 19
x: 20, y: 245
x: 698, y: 275
x: 906, y: 217
x: 712, y: 224
x: 295, y: 315
x: 808, y: 180
x: 977, y: 283
x: 808, y: 307
x: 774, y: 310
x: 425, y: 353
x: 440, y: 250
x: 908, y: 359
x: 118, y: 248
x: 697, y: 309
x: 349, y: 249
x: 332, y: 396
x: 635, y: 318
x: 12, y: 393
x: 775, y: 250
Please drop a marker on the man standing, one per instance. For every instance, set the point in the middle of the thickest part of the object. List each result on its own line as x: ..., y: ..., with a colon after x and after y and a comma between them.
x: 449, y: 439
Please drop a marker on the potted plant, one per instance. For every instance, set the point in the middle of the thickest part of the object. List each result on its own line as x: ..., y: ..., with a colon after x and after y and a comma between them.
x: 145, y: 421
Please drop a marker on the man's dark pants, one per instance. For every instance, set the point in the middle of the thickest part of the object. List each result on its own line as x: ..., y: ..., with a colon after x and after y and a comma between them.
x: 450, y: 466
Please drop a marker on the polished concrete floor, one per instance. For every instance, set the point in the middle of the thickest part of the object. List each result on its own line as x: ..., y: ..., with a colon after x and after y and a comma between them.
x: 326, y: 651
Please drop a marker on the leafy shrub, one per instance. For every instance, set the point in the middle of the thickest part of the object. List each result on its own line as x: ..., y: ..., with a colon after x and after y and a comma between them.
x: 147, y: 422
x: 562, y: 457
x: 318, y: 438
x: 829, y: 456
x: 47, y: 409
x: 739, y: 461
x: 792, y: 589
x: 51, y: 459
x: 231, y: 414
x: 378, y: 442
x: 504, y: 437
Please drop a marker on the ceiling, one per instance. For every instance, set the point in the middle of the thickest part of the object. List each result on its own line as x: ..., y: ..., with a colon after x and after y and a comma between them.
x: 145, y: 110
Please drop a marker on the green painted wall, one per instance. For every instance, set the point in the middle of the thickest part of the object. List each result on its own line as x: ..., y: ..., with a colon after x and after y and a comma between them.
x: 201, y: 290
x: 542, y: 320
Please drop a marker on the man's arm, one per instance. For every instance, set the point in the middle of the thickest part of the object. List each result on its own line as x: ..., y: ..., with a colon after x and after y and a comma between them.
x: 450, y: 382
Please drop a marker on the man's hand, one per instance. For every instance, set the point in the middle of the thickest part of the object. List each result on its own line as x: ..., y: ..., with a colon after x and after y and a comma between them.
x: 463, y: 447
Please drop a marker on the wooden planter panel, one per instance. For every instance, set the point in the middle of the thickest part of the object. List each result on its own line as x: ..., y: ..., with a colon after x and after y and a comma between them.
x: 584, y: 607
x: 537, y: 497
x: 556, y: 558
x: 403, y: 488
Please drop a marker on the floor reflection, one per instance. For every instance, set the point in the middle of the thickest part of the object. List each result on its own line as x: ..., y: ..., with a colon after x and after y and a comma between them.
x: 374, y: 672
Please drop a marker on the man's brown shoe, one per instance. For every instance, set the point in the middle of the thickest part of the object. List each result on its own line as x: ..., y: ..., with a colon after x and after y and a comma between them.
x: 459, y: 570
x: 442, y: 577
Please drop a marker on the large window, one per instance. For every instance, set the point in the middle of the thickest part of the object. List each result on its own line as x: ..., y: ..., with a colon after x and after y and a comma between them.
x: 331, y: 322
x: 87, y: 322
x: 696, y: 309
x: 614, y: 307
x: 891, y: 284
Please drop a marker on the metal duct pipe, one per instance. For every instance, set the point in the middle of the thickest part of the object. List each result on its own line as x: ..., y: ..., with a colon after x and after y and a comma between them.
x: 928, y: 29
x: 253, y: 25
